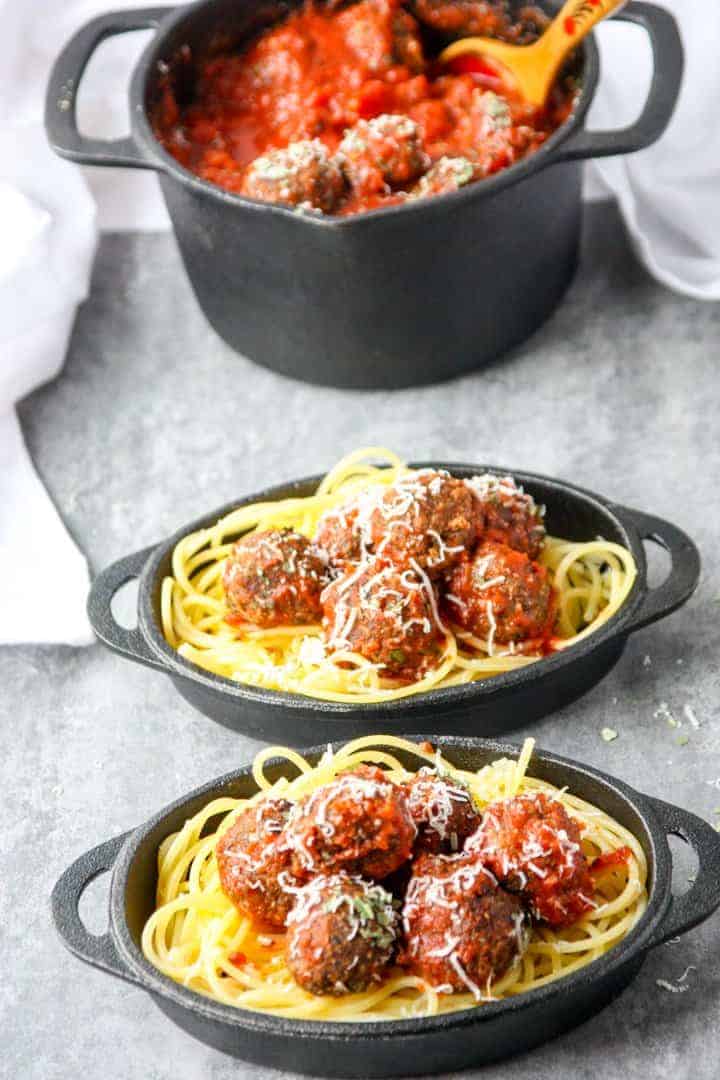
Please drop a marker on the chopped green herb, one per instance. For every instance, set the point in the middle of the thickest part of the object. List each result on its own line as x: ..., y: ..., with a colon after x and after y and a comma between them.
x: 397, y: 656
x: 363, y: 907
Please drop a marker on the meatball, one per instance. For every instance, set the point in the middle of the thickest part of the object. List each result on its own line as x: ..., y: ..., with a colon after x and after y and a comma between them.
x: 532, y: 845
x: 338, y: 535
x: 483, y: 18
x: 255, y: 863
x: 508, y: 515
x: 381, y: 33
x: 500, y: 595
x: 382, y: 153
x: 407, y: 43
x: 304, y: 174
x: 341, y: 935
x: 342, y: 532
x: 462, y: 930
x: 386, y: 614
x: 359, y: 822
x: 426, y: 516
x: 274, y: 578
x: 447, y: 174
x: 443, y: 812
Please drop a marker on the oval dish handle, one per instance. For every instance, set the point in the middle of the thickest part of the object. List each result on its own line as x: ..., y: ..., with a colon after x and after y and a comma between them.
x: 703, y: 898
x: 128, y: 643
x: 684, y: 574
x: 98, y: 950
x: 662, y: 29
x: 62, y: 90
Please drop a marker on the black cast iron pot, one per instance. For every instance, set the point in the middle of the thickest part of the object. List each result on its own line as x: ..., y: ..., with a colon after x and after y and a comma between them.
x: 396, y: 297
x: 481, y: 708
x: 404, y: 1047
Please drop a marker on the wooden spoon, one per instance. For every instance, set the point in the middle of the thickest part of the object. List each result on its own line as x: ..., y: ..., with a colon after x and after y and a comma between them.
x: 533, y: 68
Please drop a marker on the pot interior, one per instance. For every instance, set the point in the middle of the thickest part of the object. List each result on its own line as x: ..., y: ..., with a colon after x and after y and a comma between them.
x: 221, y: 26
x: 140, y: 882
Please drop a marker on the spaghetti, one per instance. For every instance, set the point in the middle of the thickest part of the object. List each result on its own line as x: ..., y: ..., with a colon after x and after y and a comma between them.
x: 198, y: 938
x: 591, y: 581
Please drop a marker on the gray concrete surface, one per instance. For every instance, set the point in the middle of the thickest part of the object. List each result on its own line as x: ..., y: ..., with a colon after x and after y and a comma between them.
x: 154, y: 420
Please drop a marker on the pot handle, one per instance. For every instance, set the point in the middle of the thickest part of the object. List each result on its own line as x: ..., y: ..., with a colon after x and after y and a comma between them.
x: 684, y: 574
x: 98, y: 950
x: 662, y: 29
x: 62, y: 90
x: 703, y: 897
x: 128, y: 643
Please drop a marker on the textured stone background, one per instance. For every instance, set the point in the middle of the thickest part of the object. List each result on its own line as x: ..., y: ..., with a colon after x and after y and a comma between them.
x: 154, y: 420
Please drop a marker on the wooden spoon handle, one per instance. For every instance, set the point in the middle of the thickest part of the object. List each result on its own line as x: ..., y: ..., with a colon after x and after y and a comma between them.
x: 575, y: 19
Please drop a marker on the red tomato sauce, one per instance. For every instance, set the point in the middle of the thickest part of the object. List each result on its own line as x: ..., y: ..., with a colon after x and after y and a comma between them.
x: 611, y: 860
x: 320, y: 71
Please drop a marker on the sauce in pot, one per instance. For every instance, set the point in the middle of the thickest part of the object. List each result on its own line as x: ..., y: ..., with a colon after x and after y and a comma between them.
x: 341, y: 110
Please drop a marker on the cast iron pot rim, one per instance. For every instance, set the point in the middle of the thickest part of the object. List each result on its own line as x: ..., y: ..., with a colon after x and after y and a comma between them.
x: 398, y: 710
x: 636, y: 941
x: 539, y: 159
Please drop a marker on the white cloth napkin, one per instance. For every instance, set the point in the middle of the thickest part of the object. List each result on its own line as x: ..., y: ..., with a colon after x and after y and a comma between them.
x: 668, y: 195
x: 48, y: 231
x: 47, y: 225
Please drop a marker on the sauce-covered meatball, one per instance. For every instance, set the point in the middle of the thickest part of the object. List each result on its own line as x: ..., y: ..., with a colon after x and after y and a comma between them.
x: 447, y: 174
x: 462, y: 930
x: 381, y: 33
x: 428, y: 517
x: 274, y: 578
x: 304, y: 174
x: 359, y: 823
x: 443, y: 812
x: 386, y: 614
x: 501, y: 596
x: 255, y: 864
x: 532, y: 845
x: 382, y: 153
x: 341, y: 936
x: 482, y: 18
x: 338, y: 535
x: 508, y: 515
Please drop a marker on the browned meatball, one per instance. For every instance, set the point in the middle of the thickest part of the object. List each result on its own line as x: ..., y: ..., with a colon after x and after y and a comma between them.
x: 382, y: 153
x: 407, y: 43
x: 501, y: 595
x: 531, y: 843
x: 508, y: 515
x: 386, y: 614
x: 381, y: 33
x: 483, y: 18
x: 359, y: 822
x: 427, y: 516
x: 341, y: 935
x: 304, y: 174
x: 447, y: 174
x: 274, y: 578
x: 255, y: 864
x: 443, y: 811
x: 462, y: 931
x: 338, y: 535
